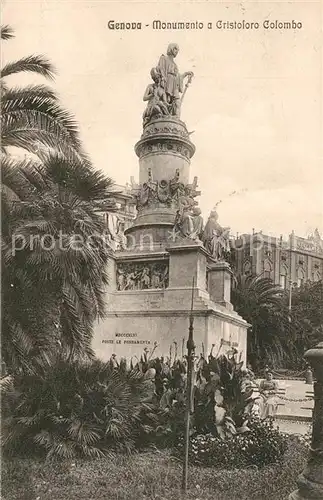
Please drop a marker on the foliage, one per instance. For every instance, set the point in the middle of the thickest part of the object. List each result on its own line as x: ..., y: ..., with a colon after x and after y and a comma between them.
x: 272, y: 335
x: 32, y: 116
x: 54, y: 256
x: 148, y: 476
x: 279, y: 337
x: 91, y: 408
x: 260, y: 445
x: 258, y: 301
x: 307, y: 300
x: 54, y: 259
x: 75, y: 409
x: 307, y: 314
x: 223, y: 396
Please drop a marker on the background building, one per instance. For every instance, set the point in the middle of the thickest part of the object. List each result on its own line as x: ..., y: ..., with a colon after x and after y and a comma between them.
x: 294, y: 261
x: 118, y: 211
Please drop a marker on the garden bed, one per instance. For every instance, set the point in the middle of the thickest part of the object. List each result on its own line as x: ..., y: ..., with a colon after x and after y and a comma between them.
x: 148, y: 476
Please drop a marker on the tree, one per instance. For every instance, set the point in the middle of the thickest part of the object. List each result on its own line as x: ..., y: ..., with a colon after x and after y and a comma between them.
x: 76, y: 409
x: 54, y: 256
x: 54, y: 249
x: 261, y: 303
x: 307, y: 314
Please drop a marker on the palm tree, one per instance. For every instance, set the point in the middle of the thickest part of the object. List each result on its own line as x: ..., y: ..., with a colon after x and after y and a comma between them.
x: 260, y: 302
x: 53, y: 255
x: 76, y: 408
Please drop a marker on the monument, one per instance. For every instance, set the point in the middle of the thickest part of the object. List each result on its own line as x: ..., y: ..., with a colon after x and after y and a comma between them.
x: 167, y: 246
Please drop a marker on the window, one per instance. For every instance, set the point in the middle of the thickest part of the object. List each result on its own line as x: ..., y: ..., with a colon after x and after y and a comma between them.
x: 300, y: 277
x: 316, y: 276
x: 267, y: 269
x: 283, y: 281
x: 247, y: 268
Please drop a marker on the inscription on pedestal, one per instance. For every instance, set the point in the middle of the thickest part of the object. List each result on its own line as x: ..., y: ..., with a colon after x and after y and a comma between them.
x: 127, y: 339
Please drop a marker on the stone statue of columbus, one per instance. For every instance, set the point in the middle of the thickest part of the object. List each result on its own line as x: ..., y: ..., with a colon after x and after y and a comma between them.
x: 166, y: 94
x: 171, y: 79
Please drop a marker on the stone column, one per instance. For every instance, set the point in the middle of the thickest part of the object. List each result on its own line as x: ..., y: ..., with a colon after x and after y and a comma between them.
x: 164, y: 151
x: 310, y: 482
x: 219, y: 283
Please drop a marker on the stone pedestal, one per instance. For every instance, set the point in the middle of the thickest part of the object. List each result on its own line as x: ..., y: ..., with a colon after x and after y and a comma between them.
x: 187, y: 261
x: 219, y: 283
x: 157, y: 319
x: 310, y: 482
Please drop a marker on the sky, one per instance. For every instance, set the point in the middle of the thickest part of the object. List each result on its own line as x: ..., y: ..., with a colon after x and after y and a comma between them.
x: 255, y: 103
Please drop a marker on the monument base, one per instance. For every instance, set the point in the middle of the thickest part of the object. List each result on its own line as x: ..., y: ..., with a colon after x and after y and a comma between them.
x: 158, y: 320
x: 219, y: 283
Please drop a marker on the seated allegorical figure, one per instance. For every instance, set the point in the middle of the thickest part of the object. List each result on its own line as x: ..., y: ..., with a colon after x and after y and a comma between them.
x: 197, y: 220
x: 156, y: 97
x: 216, y: 238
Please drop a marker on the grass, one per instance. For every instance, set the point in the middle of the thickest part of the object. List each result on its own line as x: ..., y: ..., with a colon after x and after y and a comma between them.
x: 147, y: 476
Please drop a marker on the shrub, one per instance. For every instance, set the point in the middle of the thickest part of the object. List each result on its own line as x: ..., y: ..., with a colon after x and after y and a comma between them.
x: 91, y: 409
x: 261, y: 445
x: 76, y: 409
x: 223, y: 396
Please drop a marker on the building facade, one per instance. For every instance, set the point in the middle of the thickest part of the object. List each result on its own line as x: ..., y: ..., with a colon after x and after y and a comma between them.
x: 119, y: 214
x: 287, y: 263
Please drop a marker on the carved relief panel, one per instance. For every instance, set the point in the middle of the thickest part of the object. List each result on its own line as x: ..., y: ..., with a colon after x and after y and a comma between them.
x: 142, y: 275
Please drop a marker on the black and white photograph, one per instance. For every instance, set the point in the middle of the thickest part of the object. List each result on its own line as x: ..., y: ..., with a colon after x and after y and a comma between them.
x: 161, y: 250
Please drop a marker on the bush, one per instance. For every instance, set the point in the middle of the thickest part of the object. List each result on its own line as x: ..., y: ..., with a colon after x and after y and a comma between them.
x: 76, y: 409
x: 92, y: 409
x: 261, y: 445
x: 223, y: 397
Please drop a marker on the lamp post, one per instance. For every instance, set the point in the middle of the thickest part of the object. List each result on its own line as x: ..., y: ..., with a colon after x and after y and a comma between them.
x: 291, y: 287
x: 190, y: 364
x: 310, y: 481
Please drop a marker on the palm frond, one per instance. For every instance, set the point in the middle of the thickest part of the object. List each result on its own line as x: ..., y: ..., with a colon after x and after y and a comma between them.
x: 48, y: 120
x: 6, y: 32
x: 32, y: 96
x: 79, y: 177
x: 29, y: 138
x: 12, y: 177
x: 34, y: 64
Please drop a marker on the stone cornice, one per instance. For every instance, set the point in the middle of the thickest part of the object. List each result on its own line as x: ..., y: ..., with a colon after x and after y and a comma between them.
x: 186, y: 246
x: 238, y: 321
x: 136, y: 225
x: 165, y: 144
x: 219, y: 266
x: 131, y: 256
x: 165, y: 135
